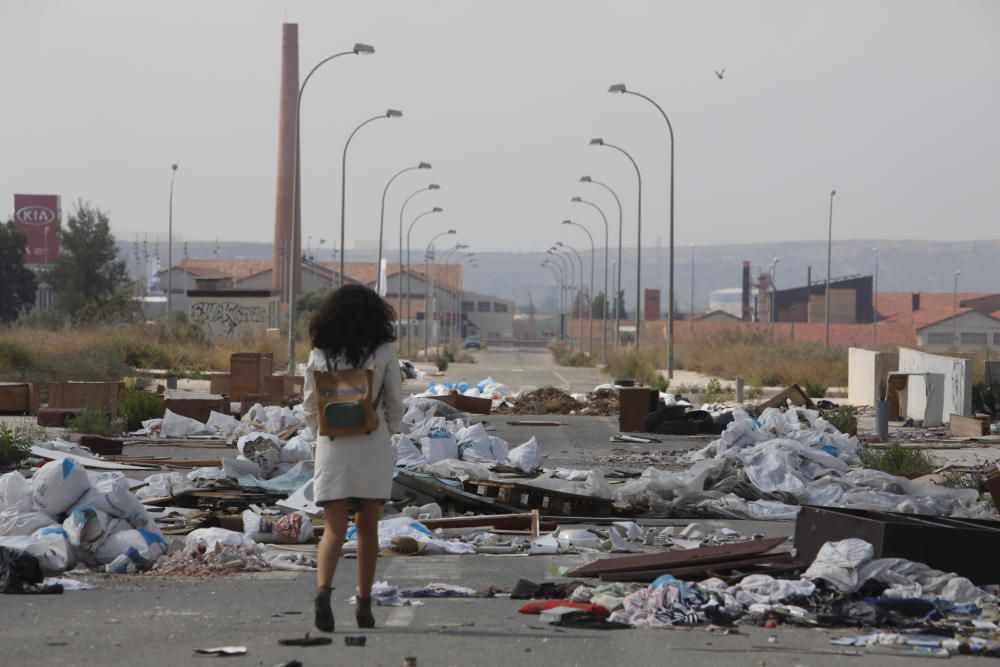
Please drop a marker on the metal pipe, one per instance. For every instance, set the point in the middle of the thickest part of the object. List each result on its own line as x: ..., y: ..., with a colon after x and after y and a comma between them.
x: 399, y: 277
x: 590, y: 293
x: 170, y: 246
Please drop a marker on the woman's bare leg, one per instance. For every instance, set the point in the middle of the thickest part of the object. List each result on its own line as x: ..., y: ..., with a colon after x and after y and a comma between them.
x: 335, y: 527
x: 367, y: 522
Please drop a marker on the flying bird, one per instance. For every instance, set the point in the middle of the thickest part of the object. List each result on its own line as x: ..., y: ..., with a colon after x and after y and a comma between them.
x: 721, y: 73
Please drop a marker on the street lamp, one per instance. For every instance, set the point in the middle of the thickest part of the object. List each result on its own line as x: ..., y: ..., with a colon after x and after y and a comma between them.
x: 292, y: 260
x: 566, y: 267
x: 429, y: 281
x: 638, y: 248
x: 390, y: 113
x: 560, y: 279
x: 604, y: 310
x: 445, y: 257
x: 170, y: 245
x: 399, y: 277
x: 579, y: 288
x: 954, y: 312
x: 618, y: 264
x: 875, y: 302
x: 774, y: 291
x: 620, y: 88
x: 692, y: 288
x: 590, y: 300
x: 473, y: 264
x: 409, y: 231
x: 381, y: 218
x: 829, y: 255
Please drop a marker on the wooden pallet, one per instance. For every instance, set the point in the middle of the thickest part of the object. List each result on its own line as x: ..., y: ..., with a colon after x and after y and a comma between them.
x: 552, y: 503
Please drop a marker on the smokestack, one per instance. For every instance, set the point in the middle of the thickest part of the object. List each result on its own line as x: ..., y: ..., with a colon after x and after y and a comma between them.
x: 288, y: 96
x: 745, y: 302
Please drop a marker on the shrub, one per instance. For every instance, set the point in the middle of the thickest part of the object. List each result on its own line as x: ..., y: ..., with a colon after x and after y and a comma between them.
x: 94, y: 422
x: 15, y: 444
x: 843, y: 419
x: 564, y: 356
x: 754, y: 392
x: 630, y: 363
x: 661, y: 383
x: 815, y: 389
x: 897, y: 460
x: 135, y: 407
x: 442, y: 363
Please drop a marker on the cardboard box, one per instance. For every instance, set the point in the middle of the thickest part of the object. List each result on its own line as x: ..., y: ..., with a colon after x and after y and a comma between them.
x: 467, y: 404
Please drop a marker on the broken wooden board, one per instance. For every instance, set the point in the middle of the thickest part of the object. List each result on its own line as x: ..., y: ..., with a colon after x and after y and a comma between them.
x: 93, y: 464
x: 751, y: 565
x: 663, y: 562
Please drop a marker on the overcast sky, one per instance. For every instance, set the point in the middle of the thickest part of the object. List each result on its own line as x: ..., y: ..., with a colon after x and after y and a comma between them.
x: 893, y: 103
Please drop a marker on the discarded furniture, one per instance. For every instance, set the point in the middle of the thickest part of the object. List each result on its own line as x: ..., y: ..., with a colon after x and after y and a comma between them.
x: 18, y: 398
x: 949, y: 385
x: 529, y: 497
x: 947, y: 544
x: 468, y: 404
x: 792, y: 395
x: 57, y: 417
x: 634, y: 404
x: 449, y: 495
x: 247, y: 371
x: 218, y: 383
x: 969, y: 427
x: 647, y: 567
x: 99, y: 444
x: 102, y: 396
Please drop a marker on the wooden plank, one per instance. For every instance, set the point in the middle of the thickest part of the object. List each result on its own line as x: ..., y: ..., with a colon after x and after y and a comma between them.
x: 668, y: 559
x: 701, y: 571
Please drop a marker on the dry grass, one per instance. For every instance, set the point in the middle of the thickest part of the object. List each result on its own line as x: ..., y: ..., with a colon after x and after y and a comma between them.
x: 757, y: 358
x: 105, y: 353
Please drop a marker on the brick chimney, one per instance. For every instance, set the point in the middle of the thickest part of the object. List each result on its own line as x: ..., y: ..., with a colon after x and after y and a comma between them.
x: 745, y: 300
x: 288, y: 95
x: 915, y: 301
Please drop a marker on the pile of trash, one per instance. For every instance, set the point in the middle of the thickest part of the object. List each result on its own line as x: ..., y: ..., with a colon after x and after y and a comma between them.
x: 66, y: 514
x: 763, y: 468
x: 488, y: 388
x: 272, y: 419
x: 603, y: 401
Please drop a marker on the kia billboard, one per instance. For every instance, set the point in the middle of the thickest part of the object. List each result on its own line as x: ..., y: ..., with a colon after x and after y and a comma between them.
x: 38, y: 216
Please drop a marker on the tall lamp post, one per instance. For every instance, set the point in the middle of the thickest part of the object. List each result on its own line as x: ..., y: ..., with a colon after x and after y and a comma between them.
x: 875, y: 302
x: 473, y: 264
x: 409, y: 232
x: 638, y: 248
x: 391, y: 113
x: 590, y: 300
x: 774, y: 291
x: 430, y: 300
x: 954, y: 312
x: 170, y: 245
x: 829, y: 255
x: 381, y: 218
x: 692, y: 288
x: 604, y: 310
x: 399, y: 278
x: 580, y: 290
x: 445, y: 258
x: 559, y: 293
x: 292, y: 259
x: 618, y: 264
x: 620, y: 88
x: 566, y: 268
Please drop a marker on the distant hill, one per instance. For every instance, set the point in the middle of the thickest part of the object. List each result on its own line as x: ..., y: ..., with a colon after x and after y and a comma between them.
x: 903, y: 266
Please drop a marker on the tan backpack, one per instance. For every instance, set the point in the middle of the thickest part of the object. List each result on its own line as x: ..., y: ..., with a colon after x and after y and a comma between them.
x: 344, y: 402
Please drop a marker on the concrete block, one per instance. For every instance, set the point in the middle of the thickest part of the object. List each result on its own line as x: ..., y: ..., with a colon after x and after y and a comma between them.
x: 867, y: 372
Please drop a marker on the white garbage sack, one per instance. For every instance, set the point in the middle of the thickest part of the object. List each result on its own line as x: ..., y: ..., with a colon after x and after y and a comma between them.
x: 205, y: 539
x: 475, y: 444
x: 526, y: 457
x: 113, y: 497
x: 136, y: 549
x: 455, y: 469
x: 297, y: 449
x: 405, y: 453
x: 279, y: 419
x: 294, y: 528
x: 908, y: 579
x: 206, y: 473
x: 439, y: 446
x: 239, y: 467
x: 86, y: 526
x: 162, y: 485
x: 763, y: 588
x: 49, y: 545
x: 264, y: 449
x: 15, y: 493
x: 57, y: 485
x: 838, y: 562
x: 24, y: 523
x: 222, y: 425
x: 257, y: 413
x: 179, y: 426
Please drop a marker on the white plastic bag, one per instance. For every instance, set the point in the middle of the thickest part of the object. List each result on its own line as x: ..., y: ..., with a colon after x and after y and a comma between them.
x: 133, y: 550
x: 49, y: 545
x: 838, y: 563
x: 179, y: 426
x: 15, y: 493
x: 405, y: 453
x: 439, y: 446
x: 222, y: 425
x: 264, y: 449
x: 204, y: 539
x: 289, y: 529
x: 57, y: 485
x: 113, y: 497
x: 297, y: 449
x: 239, y: 467
x: 526, y: 457
x: 24, y: 523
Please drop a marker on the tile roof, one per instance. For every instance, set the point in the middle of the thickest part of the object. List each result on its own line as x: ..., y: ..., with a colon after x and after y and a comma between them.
x: 449, y: 276
x: 236, y: 269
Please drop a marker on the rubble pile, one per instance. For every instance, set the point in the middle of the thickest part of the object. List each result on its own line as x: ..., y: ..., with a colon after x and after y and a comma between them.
x: 603, y: 401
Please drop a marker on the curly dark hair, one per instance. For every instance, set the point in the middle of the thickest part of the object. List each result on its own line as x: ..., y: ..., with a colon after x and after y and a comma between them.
x: 352, y: 323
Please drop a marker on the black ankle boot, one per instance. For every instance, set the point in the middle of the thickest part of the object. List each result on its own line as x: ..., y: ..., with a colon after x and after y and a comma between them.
x: 363, y: 613
x: 324, y: 614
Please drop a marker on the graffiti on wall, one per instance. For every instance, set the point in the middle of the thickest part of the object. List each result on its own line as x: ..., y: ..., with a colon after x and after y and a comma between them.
x: 228, y: 318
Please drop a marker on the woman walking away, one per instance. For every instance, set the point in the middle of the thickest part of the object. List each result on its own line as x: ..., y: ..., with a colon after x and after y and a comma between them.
x: 352, y: 330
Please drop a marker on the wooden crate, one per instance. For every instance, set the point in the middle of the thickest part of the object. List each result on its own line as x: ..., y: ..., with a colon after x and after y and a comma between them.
x: 286, y: 386
x: 102, y: 396
x: 198, y: 408
x: 18, y: 398
x: 247, y: 371
x: 218, y: 383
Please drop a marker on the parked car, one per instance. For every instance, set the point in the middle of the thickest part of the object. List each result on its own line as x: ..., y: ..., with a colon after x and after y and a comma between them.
x: 473, y: 342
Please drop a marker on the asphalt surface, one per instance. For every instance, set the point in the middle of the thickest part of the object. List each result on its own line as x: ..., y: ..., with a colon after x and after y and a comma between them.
x: 149, y: 620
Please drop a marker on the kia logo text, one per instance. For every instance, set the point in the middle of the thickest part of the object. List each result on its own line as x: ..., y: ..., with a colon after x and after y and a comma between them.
x: 35, y: 215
